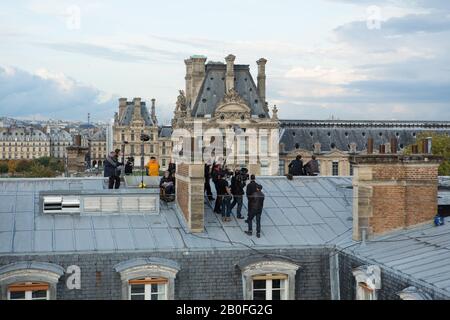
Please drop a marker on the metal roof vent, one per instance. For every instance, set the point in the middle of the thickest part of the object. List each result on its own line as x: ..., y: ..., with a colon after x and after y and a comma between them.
x: 61, y: 204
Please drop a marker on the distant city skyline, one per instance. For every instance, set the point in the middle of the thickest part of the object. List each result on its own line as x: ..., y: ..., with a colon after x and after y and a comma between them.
x: 369, y: 59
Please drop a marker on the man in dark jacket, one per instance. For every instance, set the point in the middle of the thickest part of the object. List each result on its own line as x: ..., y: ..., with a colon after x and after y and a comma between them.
x: 256, y: 211
x: 112, y: 170
x: 207, y: 180
x: 172, y: 169
x: 222, y: 186
x: 251, y: 189
x: 312, y: 167
x: 237, y: 190
x: 296, y: 167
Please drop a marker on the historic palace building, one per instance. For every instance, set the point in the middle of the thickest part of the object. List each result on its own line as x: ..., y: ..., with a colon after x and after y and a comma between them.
x: 132, y: 120
x: 23, y: 143
x: 223, y: 100
x: 333, y: 142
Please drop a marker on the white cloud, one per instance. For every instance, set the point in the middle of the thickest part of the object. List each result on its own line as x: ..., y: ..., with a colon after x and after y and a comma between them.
x: 51, y: 95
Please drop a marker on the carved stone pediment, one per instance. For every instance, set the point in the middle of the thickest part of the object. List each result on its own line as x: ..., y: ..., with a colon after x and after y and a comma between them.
x: 232, y: 96
x: 233, y: 107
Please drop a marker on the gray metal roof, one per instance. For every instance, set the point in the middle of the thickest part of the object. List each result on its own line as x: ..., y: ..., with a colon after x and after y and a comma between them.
x: 298, y: 213
x: 305, y: 212
x: 127, y: 117
x: 213, y: 90
x: 421, y: 254
x: 166, y: 132
x: 341, y: 134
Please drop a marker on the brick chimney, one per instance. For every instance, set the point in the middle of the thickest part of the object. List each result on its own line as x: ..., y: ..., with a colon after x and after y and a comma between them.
x: 229, y: 83
x: 262, y: 79
x: 190, y: 194
x: 393, y: 192
x: 195, y: 75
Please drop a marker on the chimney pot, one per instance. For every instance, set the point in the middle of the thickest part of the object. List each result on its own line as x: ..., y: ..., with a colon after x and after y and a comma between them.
x: 394, y: 145
x: 262, y: 79
x: 370, y: 146
x: 230, y: 72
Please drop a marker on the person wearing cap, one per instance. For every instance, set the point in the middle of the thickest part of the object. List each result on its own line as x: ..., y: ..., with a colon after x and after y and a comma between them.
x: 256, y: 211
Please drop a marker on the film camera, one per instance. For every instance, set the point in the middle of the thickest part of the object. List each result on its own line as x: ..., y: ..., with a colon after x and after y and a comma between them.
x: 145, y: 137
x: 242, y: 175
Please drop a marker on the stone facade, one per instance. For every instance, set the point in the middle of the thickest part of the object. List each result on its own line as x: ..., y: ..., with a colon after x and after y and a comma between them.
x: 24, y: 143
x: 332, y: 163
x: 132, y: 120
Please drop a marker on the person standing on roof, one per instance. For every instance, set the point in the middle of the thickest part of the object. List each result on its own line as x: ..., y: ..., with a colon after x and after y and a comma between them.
x: 237, y: 189
x: 296, y: 167
x: 153, y: 167
x: 251, y: 189
x: 256, y: 212
x: 112, y: 169
x: 207, y: 181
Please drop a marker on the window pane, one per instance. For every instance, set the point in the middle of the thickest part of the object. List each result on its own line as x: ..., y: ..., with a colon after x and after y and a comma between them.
x: 17, y: 295
x: 41, y: 294
x: 259, y: 284
x: 276, y: 295
x: 138, y: 288
x: 138, y: 297
x: 259, y: 295
x: 154, y: 288
x: 276, y: 284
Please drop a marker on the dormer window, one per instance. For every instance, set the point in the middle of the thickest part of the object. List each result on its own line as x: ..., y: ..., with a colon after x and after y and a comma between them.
x: 268, y: 279
x: 368, y: 281
x: 28, y: 291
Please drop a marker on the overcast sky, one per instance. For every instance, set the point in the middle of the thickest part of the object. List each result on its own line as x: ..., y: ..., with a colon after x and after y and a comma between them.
x: 366, y: 59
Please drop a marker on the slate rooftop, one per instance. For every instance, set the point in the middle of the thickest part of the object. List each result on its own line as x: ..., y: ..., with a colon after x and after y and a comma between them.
x: 303, y: 213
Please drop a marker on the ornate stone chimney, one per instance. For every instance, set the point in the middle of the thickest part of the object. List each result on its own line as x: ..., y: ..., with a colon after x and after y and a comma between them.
x: 317, y: 148
x: 137, y: 108
x: 153, y: 115
x: 122, y: 107
x: 229, y: 84
x: 393, y: 192
x: 195, y: 74
x: 262, y: 79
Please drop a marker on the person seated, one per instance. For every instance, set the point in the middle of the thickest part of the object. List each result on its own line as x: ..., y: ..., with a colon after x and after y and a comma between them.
x: 167, y: 184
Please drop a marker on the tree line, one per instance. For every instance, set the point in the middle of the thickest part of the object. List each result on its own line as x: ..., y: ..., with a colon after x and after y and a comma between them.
x: 45, y: 167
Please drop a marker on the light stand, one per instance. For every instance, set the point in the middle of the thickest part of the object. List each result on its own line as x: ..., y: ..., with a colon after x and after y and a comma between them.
x: 144, y: 138
x: 123, y: 156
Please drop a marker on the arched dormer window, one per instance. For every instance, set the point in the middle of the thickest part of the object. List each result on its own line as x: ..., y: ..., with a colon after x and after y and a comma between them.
x: 29, y: 281
x: 148, y: 278
x: 368, y: 281
x: 268, y: 279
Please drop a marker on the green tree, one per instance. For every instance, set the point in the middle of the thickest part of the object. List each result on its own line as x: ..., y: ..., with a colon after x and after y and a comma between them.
x: 3, y: 167
x: 23, y: 166
x: 39, y: 171
x: 12, y: 167
x: 440, y: 147
x: 44, y: 161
